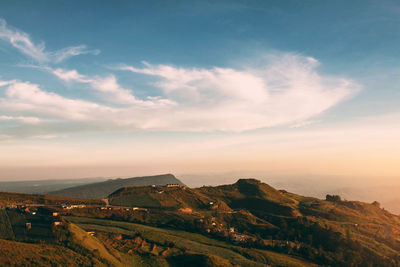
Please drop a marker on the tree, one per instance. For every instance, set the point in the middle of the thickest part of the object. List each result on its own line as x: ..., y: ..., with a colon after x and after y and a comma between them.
x: 376, y: 204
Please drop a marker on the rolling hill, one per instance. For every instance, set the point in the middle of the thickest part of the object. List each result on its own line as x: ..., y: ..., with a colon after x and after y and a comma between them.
x: 103, y: 189
x: 331, y: 232
x: 252, y: 195
x: 249, y: 194
x: 161, y: 197
x: 14, y: 253
x: 247, y: 223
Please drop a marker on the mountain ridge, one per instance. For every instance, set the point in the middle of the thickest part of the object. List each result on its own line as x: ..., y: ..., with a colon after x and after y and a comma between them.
x: 101, y: 190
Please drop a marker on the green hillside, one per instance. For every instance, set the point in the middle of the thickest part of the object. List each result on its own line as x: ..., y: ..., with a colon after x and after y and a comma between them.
x: 103, y: 189
x: 14, y: 253
x: 252, y: 195
x: 175, y: 241
x: 248, y: 223
x: 332, y: 231
x: 92, y: 244
x: 160, y: 196
x: 249, y: 194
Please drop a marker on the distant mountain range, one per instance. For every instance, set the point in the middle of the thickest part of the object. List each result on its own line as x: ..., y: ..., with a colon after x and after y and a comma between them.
x: 44, y: 186
x: 103, y: 189
x: 315, y: 186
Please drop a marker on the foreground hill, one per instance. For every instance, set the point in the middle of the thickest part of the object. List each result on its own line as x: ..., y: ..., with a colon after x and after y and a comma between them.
x: 103, y: 189
x: 25, y: 254
x: 248, y: 223
x: 332, y: 231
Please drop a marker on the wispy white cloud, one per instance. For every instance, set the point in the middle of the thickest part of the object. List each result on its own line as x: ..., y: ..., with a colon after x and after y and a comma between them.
x: 22, y: 42
x: 68, y: 75
x: 302, y: 124
x: 28, y: 120
x: 4, y: 83
x: 282, y: 90
x: 27, y: 98
x: 68, y: 52
x: 107, y: 88
x: 37, y: 51
x: 288, y: 91
x: 61, y: 114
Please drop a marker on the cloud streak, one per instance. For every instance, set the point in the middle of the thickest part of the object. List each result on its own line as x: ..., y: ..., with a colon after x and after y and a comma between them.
x: 37, y: 51
x: 285, y: 91
x: 27, y: 120
x: 107, y: 88
x: 282, y: 90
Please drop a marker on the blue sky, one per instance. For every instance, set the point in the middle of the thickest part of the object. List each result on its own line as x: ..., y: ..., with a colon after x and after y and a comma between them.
x: 179, y: 73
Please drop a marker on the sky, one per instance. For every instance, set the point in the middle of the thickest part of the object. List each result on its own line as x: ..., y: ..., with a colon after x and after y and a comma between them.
x: 125, y: 88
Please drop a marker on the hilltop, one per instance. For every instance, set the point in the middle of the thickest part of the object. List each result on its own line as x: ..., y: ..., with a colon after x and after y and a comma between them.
x: 249, y: 194
x: 103, y: 189
x: 253, y: 195
x: 165, y: 197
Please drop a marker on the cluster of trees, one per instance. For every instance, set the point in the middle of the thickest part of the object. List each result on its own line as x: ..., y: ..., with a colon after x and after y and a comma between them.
x: 321, y: 244
x: 333, y: 198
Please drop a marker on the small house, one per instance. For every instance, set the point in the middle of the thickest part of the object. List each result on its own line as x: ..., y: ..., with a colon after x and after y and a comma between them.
x: 173, y: 185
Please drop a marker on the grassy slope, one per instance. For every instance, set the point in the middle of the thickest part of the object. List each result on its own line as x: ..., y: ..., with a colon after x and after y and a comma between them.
x: 92, y: 244
x: 6, y: 230
x: 245, y: 188
x: 174, y: 197
x: 191, y: 241
x: 373, y: 227
x: 251, y: 194
x: 24, y: 254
